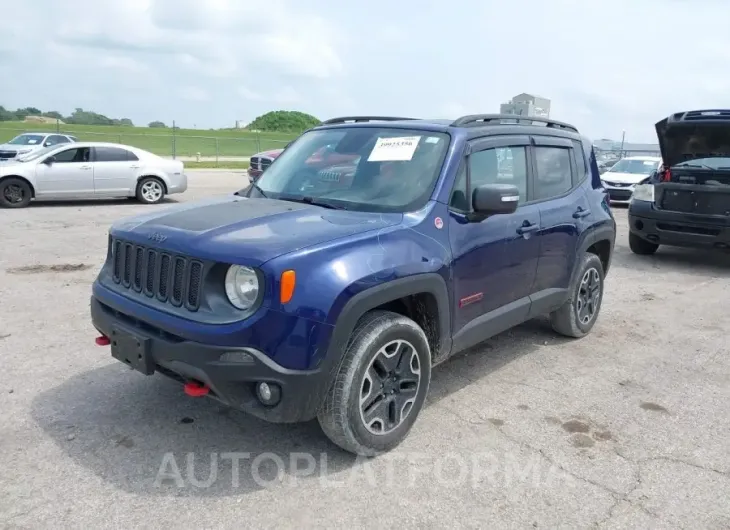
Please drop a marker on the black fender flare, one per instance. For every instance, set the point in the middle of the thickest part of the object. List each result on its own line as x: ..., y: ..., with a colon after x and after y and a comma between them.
x: 593, y: 236
x: 378, y: 295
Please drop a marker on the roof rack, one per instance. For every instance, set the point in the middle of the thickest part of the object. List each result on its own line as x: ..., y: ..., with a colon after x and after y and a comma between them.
x: 359, y: 119
x: 475, y: 120
x: 702, y: 115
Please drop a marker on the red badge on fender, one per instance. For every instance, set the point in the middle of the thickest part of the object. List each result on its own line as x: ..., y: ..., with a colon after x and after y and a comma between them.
x: 439, y: 223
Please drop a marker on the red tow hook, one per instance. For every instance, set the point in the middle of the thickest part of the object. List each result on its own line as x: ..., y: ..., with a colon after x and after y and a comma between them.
x: 195, y: 389
x: 102, y: 341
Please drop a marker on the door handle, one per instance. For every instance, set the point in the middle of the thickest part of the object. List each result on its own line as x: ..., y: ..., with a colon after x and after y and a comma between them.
x: 527, y: 227
x: 580, y: 213
x: 85, y: 167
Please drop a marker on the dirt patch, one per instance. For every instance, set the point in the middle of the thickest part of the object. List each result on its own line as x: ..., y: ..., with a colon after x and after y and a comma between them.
x: 496, y: 422
x: 647, y: 405
x: 38, y: 269
x: 582, y: 440
x: 573, y: 426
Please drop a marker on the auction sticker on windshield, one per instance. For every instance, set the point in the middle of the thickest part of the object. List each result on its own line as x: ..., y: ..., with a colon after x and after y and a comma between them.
x: 399, y: 149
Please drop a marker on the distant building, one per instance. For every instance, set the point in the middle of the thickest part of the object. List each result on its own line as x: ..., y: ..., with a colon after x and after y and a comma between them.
x: 527, y: 105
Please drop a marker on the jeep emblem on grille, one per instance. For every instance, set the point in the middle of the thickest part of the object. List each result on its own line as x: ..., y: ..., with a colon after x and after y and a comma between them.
x: 156, y: 237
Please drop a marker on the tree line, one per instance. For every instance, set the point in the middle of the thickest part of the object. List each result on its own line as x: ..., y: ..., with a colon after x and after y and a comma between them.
x: 278, y: 120
x: 78, y: 117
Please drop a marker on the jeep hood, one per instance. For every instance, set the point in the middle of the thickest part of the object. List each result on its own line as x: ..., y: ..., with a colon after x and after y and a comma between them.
x: 247, y: 231
x: 681, y: 140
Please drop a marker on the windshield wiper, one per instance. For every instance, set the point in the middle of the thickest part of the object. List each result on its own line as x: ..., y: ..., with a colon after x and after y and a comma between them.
x: 314, y: 202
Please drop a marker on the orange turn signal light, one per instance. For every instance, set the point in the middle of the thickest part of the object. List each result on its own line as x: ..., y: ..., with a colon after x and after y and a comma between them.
x: 288, y: 282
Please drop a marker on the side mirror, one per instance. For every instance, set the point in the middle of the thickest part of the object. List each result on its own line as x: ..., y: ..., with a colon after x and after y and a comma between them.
x: 494, y: 199
x: 50, y: 160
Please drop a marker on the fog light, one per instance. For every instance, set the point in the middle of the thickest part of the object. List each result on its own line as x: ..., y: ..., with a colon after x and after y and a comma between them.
x: 268, y: 393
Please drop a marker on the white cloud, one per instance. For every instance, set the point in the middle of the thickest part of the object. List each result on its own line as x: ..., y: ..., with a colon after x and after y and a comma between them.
x: 193, y: 93
x: 250, y: 95
x: 607, y: 65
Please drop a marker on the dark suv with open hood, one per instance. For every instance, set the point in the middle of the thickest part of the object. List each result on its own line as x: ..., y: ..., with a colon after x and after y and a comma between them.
x: 686, y: 202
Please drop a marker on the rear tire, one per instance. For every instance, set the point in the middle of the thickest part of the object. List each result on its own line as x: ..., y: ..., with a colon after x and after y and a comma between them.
x: 576, y: 317
x: 150, y: 190
x: 380, y: 387
x: 15, y: 193
x: 641, y: 246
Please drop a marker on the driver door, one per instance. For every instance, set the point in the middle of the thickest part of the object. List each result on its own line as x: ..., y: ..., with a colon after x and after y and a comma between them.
x: 66, y: 173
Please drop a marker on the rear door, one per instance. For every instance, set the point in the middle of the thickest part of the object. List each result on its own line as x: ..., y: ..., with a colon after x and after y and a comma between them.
x: 115, y: 171
x: 559, y: 171
x: 70, y: 174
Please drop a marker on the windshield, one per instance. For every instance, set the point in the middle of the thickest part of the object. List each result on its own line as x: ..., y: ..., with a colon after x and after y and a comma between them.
x: 635, y: 167
x: 357, y: 168
x: 35, y: 154
x: 718, y: 162
x: 27, y: 139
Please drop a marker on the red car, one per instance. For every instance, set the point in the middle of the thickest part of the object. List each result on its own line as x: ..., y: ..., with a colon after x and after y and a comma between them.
x: 260, y: 161
x: 324, y: 157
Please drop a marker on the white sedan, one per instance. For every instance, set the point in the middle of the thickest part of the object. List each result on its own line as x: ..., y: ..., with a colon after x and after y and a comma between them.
x: 89, y: 169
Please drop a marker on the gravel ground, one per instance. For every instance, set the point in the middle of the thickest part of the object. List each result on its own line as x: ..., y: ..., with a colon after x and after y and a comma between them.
x: 626, y: 428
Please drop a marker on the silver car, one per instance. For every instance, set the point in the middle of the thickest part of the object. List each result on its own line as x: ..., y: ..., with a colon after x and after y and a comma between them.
x: 89, y: 169
x: 32, y: 141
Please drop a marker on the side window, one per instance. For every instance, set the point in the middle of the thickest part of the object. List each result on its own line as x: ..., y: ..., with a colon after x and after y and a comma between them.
x: 113, y: 154
x: 554, y: 176
x: 55, y: 139
x: 580, y: 162
x: 502, y: 165
x: 79, y: 154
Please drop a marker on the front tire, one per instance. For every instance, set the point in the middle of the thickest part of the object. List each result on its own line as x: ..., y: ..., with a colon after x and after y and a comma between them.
x: 641, y: 246
x: 150, y: 190
x: 380, y: 387
x: 576, y: 317
x: 15, y: 193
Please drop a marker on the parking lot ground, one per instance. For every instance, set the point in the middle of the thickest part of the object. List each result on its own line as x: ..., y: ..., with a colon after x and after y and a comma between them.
x: 626, y: 428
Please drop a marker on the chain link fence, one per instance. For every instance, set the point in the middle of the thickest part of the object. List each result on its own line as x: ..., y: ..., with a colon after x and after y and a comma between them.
x: 170, y: 143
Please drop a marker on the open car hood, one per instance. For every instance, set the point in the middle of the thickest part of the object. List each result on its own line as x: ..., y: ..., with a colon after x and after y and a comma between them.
x: 695, y: 134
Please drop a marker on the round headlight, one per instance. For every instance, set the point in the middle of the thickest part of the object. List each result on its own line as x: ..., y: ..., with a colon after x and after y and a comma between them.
x: 242, y: 286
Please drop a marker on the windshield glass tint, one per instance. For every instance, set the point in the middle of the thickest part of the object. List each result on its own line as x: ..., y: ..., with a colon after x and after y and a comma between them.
x: 708, y: 163
x: 27, y: 139
x: 35, y: 154
x: 358, y: 168
x: 635, y: 167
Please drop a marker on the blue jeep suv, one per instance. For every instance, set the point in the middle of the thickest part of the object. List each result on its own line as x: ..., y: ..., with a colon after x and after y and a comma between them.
x: 330, y: 292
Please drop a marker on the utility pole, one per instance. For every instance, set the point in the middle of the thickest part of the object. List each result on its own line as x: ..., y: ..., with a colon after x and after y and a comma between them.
x: 173, y: 140
x: 623, y: 139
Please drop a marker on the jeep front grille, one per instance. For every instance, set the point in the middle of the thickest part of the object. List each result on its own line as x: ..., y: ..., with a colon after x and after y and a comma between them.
x: 170, y: 278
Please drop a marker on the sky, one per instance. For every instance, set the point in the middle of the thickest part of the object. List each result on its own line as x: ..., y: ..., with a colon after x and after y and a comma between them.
x: 608, y: 66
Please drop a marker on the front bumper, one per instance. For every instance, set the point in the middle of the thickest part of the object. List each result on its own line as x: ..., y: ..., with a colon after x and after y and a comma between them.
x: 253, y: 174
x: 619, y: 194
x: 678, y: 229
x: 231, y: 379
